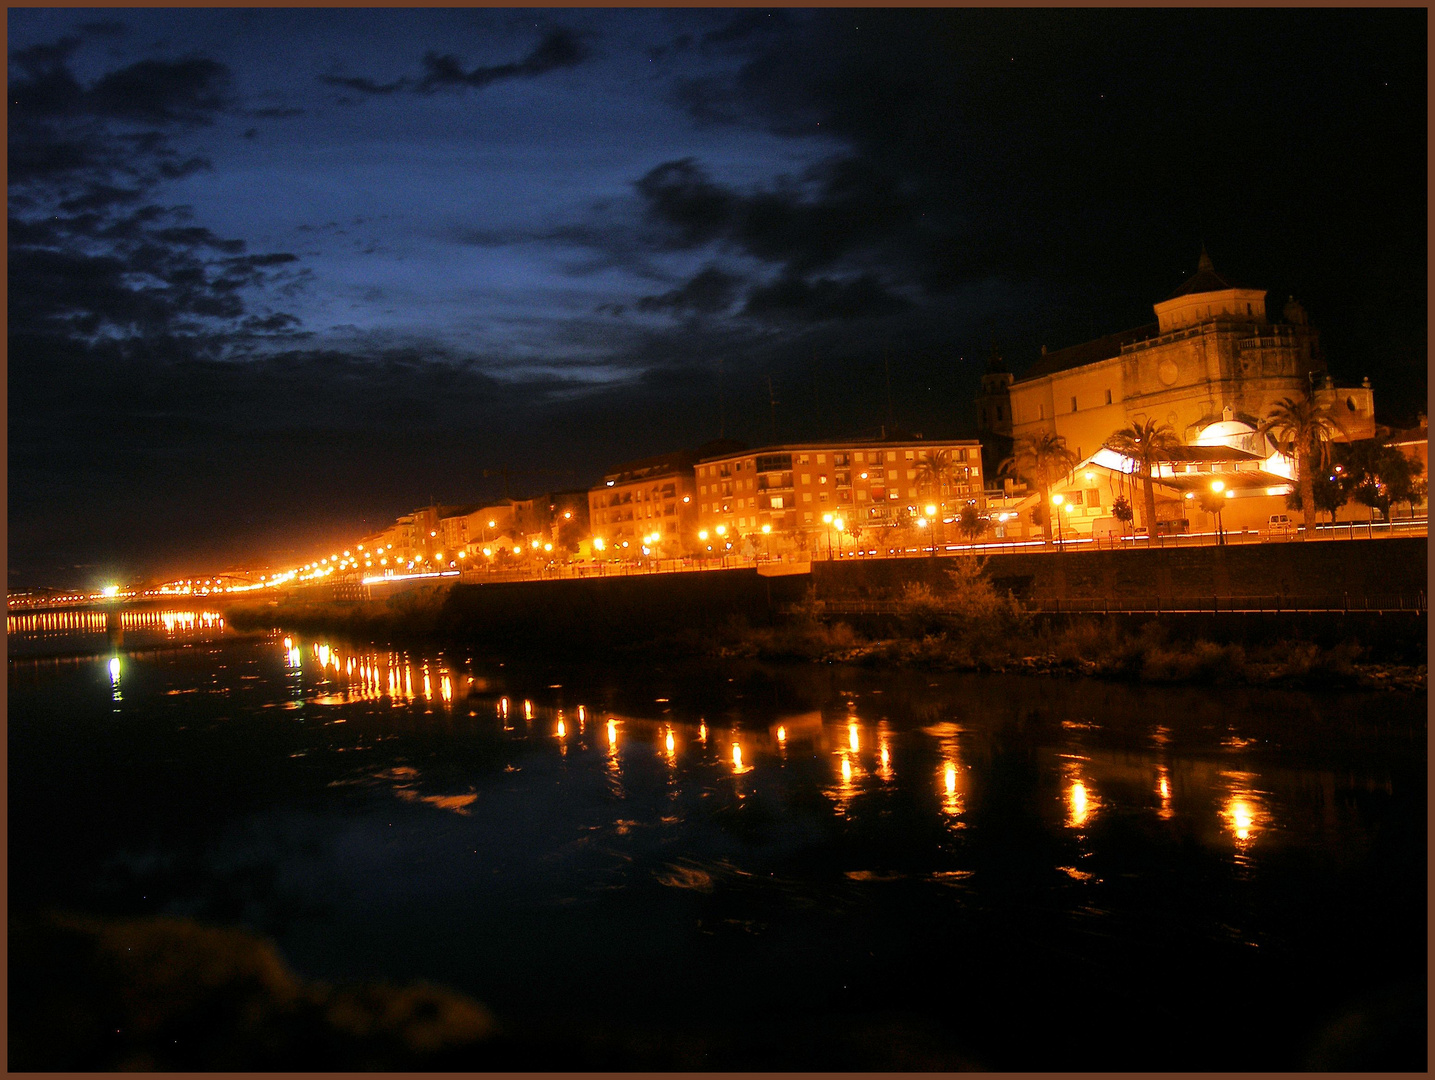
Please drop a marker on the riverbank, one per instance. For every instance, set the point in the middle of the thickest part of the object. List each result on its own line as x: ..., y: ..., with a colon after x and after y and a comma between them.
x: 962, y: 621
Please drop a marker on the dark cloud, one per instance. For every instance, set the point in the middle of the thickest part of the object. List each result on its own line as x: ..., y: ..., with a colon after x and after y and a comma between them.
x: 793, y: 299
x: 365, y: 86
x: 680, y: 196
x: 276, y: 113
x: 91, y: 251
x: 559, y: 48
x: 160, y: 92
x: 710, y: 290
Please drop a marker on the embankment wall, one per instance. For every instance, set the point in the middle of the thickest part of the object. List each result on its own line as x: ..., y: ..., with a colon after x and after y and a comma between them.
x: 1320, y: 568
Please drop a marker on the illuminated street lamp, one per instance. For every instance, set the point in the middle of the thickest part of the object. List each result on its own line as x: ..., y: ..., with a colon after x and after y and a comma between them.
x: 1056, y: 501
x: 827, y: 520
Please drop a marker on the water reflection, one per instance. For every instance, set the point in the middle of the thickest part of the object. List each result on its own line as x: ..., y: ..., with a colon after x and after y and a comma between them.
x: 1081, y: 802
x: 861, y: 757
x: 1243, y: 811
x: 950, y: 772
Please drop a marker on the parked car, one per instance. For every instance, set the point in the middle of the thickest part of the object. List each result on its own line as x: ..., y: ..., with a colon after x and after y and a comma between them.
x: 1279, y: 527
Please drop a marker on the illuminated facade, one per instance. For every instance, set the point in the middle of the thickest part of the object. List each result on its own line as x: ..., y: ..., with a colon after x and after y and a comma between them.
x: 1213, y: 347
x: 798, y: 491
x: 652, y: 497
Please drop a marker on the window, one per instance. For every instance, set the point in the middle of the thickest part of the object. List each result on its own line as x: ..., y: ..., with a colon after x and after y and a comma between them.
x: 1108, y: 397
x: 894, y: 494
x: 911, y: 474
x: 910, y: 455
x: 802, y: 459
x: 777, y: 502
x: 807, y: 478
x: 807, y: 496
x: 859, y: 457
x: 822, y: 497
x: 911, y: 493
x: 822, y: 479
x: 807, y: 517
x: 861, y: 495
x: 822, y: 459
x: 1073, y: 404
x: 891, y: 455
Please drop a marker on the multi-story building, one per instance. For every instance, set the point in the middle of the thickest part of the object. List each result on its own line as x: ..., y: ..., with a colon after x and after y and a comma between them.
x: 1213, y: 347
x: 656, y: 495
x: 797, y: 491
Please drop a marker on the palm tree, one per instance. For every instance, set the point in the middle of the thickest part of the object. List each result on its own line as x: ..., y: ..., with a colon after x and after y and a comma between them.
x: 935, y: 472
x: 1039, y: 459
x: 1145, y: 444
x: 1304, y: 431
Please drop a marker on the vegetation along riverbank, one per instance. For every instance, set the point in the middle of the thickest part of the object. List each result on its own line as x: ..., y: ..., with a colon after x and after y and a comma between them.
x: 961, y: 621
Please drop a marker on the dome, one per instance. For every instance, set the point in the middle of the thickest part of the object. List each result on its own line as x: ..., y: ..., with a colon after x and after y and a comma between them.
x: 1237, y: 434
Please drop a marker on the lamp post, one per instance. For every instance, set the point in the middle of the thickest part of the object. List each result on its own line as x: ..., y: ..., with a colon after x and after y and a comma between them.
x: 1056, y: 501
x: 839, y: 525
x: 1217, y: 488
x: 827, y: 520
x: 767, y: 539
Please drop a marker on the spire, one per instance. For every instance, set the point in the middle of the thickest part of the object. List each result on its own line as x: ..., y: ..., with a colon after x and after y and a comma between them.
x: 1205, y: 261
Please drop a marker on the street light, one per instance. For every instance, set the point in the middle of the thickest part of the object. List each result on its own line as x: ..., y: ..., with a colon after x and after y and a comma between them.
x: 838, y: 524
x: 1217, y: 487
x: 1056, y: 501
x: 827, y: 520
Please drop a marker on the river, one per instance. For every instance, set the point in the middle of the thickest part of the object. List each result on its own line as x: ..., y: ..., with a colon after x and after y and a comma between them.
x: 733, y: 866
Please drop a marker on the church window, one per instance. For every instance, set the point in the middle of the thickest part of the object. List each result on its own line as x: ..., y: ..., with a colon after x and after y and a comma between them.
x: 1108, y: 397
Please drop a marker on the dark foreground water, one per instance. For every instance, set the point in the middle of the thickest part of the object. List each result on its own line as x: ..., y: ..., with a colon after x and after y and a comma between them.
x: 737, y: 866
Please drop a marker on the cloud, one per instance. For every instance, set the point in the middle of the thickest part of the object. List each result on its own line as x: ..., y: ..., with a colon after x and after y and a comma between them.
x: 793, y: 299
x: 365, y: 86
x: 559, y: 48
x: 709, y: 291
x: 92, y: 252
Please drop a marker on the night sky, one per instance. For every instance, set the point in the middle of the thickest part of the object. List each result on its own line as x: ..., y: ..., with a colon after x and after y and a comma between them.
x: 276, y: 277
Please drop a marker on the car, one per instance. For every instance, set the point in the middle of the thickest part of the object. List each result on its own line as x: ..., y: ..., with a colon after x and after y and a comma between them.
x: 1279, y: 527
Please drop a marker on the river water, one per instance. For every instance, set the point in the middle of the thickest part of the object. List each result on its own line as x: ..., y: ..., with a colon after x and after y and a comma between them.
x: 729, y: 865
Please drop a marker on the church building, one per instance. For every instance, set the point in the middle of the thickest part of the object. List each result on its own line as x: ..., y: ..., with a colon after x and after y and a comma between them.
x: 1215, y: 352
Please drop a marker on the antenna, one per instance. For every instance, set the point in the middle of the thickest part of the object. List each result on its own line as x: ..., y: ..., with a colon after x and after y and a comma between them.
x: 722, y: 411
x: 887, y: 365
x: 772, y: 403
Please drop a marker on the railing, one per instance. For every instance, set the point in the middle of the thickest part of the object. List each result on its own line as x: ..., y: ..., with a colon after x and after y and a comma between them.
x: 1345, y: 603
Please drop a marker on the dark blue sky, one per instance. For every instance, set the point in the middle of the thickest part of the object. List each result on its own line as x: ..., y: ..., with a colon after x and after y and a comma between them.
x: 279, y: 276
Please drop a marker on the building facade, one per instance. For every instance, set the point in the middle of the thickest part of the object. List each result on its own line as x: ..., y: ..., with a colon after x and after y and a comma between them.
x: 793, y: 494
x: 638, y: 499
x: 1214, y: 346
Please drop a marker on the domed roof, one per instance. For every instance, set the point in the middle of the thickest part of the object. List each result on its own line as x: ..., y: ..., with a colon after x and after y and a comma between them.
x: 1216, y: 434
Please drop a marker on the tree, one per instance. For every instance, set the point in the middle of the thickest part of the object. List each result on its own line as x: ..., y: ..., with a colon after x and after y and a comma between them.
x: 1379, y: 475
x: 1145, y: 445
x: 1330, y: 495
x: 1121, y: 511
x: 1039, y: 459
x: 935, y: 473
x: 971, y: 524
x: 1302, y: 430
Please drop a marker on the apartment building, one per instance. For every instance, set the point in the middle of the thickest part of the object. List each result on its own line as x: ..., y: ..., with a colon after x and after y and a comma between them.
x: 792, y: 490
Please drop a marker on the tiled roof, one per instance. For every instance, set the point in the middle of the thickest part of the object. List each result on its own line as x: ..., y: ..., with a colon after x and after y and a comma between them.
x: 1088, y: 352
